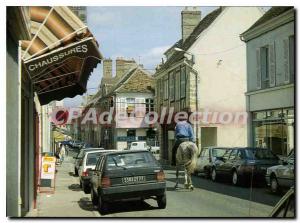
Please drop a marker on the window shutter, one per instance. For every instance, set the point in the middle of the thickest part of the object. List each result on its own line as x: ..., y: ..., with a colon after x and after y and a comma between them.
x: 258, y: 69
x: 272, y: 65
x: 286, y: 61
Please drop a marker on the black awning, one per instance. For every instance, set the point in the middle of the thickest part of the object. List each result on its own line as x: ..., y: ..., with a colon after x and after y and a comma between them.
x: 63, y: 72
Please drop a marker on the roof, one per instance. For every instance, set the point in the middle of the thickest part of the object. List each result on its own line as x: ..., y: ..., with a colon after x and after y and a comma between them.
x: 270, y: 14
x: 203, y: 24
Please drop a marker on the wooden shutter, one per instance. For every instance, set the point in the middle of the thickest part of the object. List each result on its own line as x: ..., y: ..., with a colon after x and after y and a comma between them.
x: 258, y: 69
x: 272, y: 65
x: 286, y: 62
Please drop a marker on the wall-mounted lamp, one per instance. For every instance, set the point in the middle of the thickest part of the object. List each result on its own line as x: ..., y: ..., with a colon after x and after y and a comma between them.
x: 181, y: 50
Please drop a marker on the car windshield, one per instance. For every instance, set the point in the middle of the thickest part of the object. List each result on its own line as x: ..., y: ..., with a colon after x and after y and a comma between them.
x: 218, y: 152
x: 260, y: 154
x: 126, y: 160
x: 92, y: 158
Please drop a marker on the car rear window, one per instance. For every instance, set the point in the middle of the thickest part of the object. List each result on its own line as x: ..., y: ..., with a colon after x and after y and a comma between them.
x: 130, y: 160
x: 260, y: 154
x: 134, y: 144
x: 92, y: 158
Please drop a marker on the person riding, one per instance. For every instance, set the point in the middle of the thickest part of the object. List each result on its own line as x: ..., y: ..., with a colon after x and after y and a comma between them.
x: 183, y: 132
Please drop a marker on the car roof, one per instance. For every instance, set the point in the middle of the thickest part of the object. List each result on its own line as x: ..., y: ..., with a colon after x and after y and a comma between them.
x: 97, y: 151
x: 127, y: 151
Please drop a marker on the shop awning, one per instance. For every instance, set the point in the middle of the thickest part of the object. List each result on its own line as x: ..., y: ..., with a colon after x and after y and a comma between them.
x: 61, y: 55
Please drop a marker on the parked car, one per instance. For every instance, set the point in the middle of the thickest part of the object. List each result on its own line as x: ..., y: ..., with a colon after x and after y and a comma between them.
x: 207, y: 157
x: 139, y: 146
x: 243, y: 164
x: 282, y: 176
x: 89, y: 161
x: 123, y: 175
x: 78, y: 158
x: 155, y: 149
x: 285, y: 208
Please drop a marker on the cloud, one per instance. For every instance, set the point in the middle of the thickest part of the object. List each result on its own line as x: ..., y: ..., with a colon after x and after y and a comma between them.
x: 153, y: 56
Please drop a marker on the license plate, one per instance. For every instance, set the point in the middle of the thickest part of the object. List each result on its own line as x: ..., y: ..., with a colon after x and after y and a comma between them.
x: 133, y: 180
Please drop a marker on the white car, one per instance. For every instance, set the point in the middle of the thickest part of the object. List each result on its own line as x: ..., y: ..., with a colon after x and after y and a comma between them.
x: 139, y: 146
x: 88, y: 162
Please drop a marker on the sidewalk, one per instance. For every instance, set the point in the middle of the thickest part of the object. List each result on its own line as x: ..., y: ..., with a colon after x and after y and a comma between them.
x: 68, y: 199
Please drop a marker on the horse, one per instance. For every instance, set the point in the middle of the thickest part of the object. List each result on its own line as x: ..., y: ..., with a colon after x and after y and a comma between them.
x: 186, y: 156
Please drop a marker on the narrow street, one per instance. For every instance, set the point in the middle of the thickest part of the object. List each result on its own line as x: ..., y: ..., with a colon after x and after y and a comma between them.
x: 208, y: 199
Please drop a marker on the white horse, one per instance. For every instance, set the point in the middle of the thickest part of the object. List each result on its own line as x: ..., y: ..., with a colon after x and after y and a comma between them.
x: 186, y: 156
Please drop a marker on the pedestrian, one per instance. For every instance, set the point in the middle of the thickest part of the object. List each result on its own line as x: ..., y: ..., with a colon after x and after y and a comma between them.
x: 183, y: 132
x: 62, y: 153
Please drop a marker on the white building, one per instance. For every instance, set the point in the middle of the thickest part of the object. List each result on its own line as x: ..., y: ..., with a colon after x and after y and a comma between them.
x: 206, y: 71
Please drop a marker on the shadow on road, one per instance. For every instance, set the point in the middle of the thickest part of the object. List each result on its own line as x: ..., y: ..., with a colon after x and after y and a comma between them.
x: 127, y: 206
x: 259, y: 195
x: 72, y: 174
x: 75, y: 187
x: 86, y: 204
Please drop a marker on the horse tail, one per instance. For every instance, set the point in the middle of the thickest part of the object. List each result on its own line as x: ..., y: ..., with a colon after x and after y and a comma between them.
x: 191, y: 164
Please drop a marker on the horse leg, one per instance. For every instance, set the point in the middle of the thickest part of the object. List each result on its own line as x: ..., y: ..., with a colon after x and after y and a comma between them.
x: 186, y: 183
x: 177, y: 175
x: 191, y: 187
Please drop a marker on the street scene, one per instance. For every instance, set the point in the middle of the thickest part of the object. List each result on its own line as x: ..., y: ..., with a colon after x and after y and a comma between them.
x: 150, y: 112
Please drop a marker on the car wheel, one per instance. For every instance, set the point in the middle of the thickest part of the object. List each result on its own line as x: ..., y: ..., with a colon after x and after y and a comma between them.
x: 94, y: 197
x: 235, y: 178
x: 274, y: 184
x: 75, y: 172
x: 102, y: 206
x: 86, y: 189
x: 162, y: 201
x: 213, y: 174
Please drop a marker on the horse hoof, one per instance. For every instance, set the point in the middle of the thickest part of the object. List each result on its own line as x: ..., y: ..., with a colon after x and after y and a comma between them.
x: 191, y: 187
x: 186, y: 186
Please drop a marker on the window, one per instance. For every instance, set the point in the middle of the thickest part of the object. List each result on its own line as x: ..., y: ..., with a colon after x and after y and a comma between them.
x: 172, y: 86
x: 264, y: 57
x: 292, y: 58
x: 233, y: 154
x: 183, y: 82
x: 149, y: 105
x: 166, y: 88
x: 177, y: 84
x: 161, y: 89
x: 130, y: 105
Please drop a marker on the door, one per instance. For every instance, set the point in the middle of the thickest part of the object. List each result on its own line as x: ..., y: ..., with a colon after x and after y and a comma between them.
x: 230, y: 163
x: 221, y: 164
x: 203, y: 160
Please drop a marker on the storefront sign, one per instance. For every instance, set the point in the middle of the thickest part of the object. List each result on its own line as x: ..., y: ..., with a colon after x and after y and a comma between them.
x: 48, y: 167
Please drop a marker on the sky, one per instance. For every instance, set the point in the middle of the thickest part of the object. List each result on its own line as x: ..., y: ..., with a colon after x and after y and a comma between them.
x: 141, y: 33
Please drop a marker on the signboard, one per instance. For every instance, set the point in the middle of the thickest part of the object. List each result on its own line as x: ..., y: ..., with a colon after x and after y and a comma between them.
x: 48, y: 167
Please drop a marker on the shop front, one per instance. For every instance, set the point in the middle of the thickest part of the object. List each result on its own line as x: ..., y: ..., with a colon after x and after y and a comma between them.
x: 274, y: 129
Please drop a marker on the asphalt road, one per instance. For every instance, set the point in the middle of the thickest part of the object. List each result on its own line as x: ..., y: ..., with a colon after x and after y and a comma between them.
x: 208, y: 199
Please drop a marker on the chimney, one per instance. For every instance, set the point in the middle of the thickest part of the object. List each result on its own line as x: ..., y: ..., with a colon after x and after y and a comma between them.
x: 190, y: 18
x: 122, y: 66
x: 107, y: 68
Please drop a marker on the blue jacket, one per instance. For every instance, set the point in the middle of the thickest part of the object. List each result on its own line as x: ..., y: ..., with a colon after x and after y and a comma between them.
x: 184, y: 129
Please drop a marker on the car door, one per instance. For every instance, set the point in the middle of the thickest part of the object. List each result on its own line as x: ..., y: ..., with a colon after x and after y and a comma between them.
x: 221, y: 163
x: 230, y: 162
x: 287, y: 174
x: 96, y: 175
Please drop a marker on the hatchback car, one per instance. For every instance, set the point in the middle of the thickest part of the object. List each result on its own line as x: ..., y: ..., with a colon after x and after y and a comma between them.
x: 206, y: 159
x: 127, y: 175
x: 282, y: 176
x: 89, y: 161
x: 244, y: 164
x: 78, y: 158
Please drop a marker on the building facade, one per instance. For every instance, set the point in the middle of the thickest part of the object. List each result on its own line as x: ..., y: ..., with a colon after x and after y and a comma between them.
x: 129, y: 93
x: 271, y: 76
x: 81, y: 12
x: 205, y: 71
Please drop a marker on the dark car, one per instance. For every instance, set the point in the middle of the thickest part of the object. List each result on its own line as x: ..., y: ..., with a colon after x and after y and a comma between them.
x: 124, y: 175
x: 244, y: 164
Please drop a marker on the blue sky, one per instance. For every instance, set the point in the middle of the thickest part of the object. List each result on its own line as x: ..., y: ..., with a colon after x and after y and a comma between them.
x: 141, y: 33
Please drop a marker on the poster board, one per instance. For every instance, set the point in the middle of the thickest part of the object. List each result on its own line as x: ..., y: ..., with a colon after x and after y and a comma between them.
x: 48, y: 167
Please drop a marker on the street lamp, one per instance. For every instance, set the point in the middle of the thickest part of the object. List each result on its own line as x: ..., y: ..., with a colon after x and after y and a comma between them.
x: 181, y: 50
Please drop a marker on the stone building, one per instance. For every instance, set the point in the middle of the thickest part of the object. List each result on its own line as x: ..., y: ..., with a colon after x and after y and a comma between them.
x: 129, y: 91
x: 205, y: 71
x: 271, y: 78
